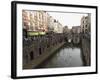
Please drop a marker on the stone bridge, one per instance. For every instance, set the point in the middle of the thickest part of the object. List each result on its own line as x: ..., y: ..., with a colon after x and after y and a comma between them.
x: 74, y: 38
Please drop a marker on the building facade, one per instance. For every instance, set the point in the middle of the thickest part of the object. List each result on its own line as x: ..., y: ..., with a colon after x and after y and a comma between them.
x: 86, y: 24
x: 40, y: 21
x: 25, y: 19
x: 76, y: 29
x: 35, y: 20
x: 58, y: 28
x: 51, y: 24
x: 65, y: 29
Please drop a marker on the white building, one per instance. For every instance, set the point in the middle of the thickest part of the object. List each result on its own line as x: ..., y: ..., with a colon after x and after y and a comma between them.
x: 58, y: 28
x: 51, y: 24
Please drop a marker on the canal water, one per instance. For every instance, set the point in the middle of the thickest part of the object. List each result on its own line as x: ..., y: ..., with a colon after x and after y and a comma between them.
x: 68, y: 56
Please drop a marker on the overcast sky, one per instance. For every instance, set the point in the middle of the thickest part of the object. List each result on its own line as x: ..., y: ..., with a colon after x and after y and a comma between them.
x: 69, y: 19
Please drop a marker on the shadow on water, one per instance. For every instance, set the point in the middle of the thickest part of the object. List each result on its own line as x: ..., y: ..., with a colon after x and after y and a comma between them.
x: 69, y: 55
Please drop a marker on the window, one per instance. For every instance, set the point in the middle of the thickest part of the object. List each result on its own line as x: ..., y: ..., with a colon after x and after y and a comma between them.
x: 86, y: 26
x: 83, y: 26
x: 83, y: 22
x: 86, y: 31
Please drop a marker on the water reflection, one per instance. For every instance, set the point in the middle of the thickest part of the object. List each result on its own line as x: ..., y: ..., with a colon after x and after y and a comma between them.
x: 67, y: 56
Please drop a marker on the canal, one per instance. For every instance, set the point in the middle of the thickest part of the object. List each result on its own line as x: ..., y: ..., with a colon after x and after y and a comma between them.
x: 69, y: 55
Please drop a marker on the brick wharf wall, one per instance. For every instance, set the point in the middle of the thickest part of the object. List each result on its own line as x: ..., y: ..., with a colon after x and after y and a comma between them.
x: 35, y: 46
x: 86, y: 49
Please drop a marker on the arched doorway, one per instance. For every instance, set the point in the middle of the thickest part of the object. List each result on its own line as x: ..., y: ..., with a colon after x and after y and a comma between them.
x: 40, y: 52
x: 31, y: 55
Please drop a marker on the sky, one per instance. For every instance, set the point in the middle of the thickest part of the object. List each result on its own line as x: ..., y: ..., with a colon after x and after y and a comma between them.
x: 68, y: 19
